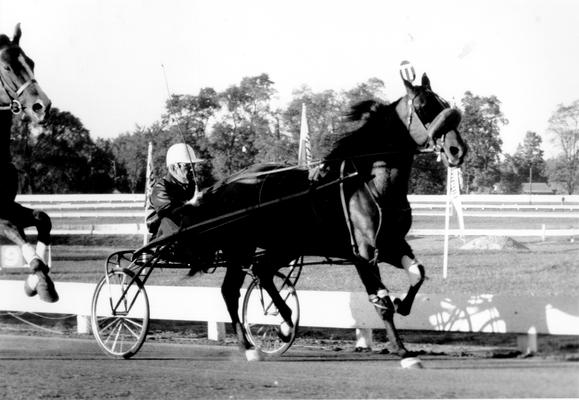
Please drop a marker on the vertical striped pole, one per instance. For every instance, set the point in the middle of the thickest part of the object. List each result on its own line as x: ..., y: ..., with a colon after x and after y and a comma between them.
x: 305, y: 149
x: 455, y: 185
x: 148, y: 188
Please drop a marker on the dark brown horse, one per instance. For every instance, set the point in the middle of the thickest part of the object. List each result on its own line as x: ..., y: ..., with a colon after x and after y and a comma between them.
x: 363, y: 218
x: 19, y: 92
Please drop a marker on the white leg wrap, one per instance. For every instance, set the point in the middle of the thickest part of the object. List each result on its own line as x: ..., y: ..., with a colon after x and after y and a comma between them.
x: 285, y: 329
x: 412, y: 270
x: 382, y: 293
x: 28, y: 252
x: 41, y: 250
x: 32, y: 281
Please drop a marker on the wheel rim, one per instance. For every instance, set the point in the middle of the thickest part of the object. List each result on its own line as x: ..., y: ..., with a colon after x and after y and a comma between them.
x: 120, y: 314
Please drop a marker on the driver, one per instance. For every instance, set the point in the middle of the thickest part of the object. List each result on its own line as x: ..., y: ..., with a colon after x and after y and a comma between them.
x: 175, y: 190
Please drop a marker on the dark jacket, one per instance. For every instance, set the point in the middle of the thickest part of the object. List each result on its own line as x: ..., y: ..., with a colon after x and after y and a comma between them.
x: 166, y: 199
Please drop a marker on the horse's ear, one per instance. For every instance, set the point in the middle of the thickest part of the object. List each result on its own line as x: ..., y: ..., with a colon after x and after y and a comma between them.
x: 426, y: 82
x: 17, y: 34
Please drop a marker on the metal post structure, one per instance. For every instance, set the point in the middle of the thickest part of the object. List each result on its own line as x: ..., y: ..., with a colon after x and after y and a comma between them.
x: 446, y: 224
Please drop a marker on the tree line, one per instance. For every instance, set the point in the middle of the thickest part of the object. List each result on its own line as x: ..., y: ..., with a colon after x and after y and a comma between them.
x: 242, y: 125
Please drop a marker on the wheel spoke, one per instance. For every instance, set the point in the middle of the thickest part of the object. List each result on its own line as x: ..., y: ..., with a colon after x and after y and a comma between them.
x: 117, y: 335
x: 130, y: 330
x: 112, y: 330
x: 115, y: 319
x: 134, y: 323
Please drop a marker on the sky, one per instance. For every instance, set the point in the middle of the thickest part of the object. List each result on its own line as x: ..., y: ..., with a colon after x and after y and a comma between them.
x: 105, y: 60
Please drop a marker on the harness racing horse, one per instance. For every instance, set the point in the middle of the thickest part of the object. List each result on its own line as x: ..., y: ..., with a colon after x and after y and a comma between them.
x: 357, y: 211
x: 19, y: 92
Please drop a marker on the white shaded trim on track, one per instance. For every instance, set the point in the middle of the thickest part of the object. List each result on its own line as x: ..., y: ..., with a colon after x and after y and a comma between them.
x: 334, y: 309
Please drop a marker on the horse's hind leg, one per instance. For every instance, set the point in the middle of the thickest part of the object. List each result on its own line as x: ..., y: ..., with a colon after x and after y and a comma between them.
x: 230, y: 290
x: 378, y: 295
x: 265, y: 271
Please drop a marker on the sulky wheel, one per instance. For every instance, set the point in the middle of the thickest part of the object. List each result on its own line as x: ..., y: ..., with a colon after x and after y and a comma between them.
x: 262, y: 320
x: 120, y: 313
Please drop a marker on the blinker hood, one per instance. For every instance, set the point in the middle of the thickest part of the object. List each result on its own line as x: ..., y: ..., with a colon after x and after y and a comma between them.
x: 447, y: 120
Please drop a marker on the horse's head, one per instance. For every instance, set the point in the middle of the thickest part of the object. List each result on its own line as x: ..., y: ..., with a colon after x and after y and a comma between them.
x: 19, y: 90
x: 432, y: 123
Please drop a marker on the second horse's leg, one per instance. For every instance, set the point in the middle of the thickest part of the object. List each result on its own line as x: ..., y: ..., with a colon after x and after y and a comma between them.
x: 39, y: 281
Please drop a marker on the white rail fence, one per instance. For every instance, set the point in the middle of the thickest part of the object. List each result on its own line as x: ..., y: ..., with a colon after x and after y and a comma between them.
x: 334, y: 309
x: 79, y: 214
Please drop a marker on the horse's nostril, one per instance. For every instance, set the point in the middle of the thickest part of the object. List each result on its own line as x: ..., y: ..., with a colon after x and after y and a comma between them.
x: 37, y: 107
x: 454, y: 151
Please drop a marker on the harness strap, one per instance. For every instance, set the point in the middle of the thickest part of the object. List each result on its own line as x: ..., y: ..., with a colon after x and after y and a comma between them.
x: 347, y: 216
x: 371, y: 188
x: 24, y: 86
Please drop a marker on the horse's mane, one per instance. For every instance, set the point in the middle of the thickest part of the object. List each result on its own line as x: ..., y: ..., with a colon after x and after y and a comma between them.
x: 367, y: 114
x: 364, y: 109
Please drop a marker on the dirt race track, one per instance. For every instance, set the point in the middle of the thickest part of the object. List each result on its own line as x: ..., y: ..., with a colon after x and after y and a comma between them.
x: 70, y: 368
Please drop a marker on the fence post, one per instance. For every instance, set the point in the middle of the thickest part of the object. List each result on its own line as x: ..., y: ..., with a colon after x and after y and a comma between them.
x: 83, y: 324
x: 528, y: 343
x: 544, y: 231
x: 215, y: 330
x: 363, y: 338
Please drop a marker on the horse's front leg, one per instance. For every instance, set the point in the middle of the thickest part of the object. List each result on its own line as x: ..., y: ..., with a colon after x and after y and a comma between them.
x: 365, y: 218
x: 378, y: 296
x: 416, y: 276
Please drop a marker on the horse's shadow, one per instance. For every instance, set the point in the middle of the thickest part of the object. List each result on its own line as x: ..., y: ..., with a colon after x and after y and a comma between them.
x: 494, y: 314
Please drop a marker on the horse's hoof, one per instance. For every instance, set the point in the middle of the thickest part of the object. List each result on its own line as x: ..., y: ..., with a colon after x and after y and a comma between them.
x: 411, y: 363
x: 360, y: 349
x: 400, y: 307
x: 254, y: 355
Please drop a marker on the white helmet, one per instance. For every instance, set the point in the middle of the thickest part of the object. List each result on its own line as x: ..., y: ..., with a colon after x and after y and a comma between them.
x: 181, y: 153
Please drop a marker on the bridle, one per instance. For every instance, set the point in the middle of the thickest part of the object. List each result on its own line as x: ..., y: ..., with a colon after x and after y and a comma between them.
x: 14, y: 94
x: 431, y: 145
